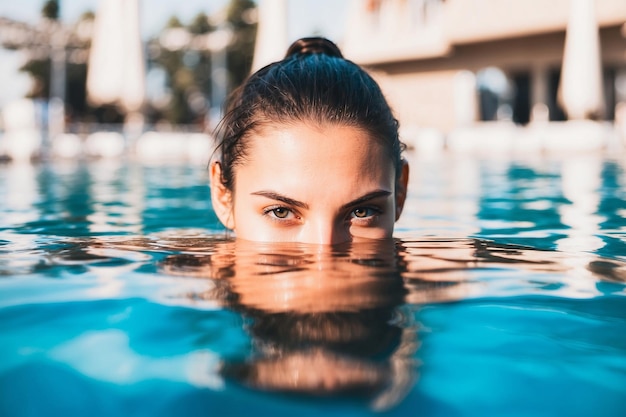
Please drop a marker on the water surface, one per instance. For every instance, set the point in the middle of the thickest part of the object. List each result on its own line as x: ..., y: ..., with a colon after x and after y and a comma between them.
x: 503, y: 294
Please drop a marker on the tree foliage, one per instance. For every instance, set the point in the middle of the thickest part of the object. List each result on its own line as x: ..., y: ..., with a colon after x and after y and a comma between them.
x: 50, y: 9
x: 39, y: 70
x: 241, y: 17
x: 188, y: 72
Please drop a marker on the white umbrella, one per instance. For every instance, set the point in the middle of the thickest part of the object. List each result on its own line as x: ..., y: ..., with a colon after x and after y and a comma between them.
x: 116, y: 63
x: 580, y: 90
x: 271, y: 38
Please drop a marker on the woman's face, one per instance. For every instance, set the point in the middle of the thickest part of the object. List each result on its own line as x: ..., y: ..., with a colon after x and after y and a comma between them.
x: 312, y: 184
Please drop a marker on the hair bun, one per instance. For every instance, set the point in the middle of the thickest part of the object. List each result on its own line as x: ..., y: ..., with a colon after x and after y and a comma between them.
x: 308, y: 46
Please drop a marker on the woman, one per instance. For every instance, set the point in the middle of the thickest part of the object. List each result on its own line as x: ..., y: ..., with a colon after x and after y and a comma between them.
x: 309, y: 152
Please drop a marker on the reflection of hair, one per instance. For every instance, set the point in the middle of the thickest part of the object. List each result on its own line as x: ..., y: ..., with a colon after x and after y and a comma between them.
x: 364, y: 353
x: 367, y: 354
x: 312, y: 83
x: 365, y: 333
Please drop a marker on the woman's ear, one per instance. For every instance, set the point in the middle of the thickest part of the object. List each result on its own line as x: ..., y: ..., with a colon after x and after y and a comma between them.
x: 402, y: 184
x: 221, y: 197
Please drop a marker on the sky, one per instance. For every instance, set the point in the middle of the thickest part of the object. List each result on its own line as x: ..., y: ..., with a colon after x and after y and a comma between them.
x: 306, y: 17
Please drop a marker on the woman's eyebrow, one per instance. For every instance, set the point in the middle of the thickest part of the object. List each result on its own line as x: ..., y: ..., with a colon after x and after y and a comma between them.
x: 290, y: 201
x: 367, y: 197
x: 279, y: 197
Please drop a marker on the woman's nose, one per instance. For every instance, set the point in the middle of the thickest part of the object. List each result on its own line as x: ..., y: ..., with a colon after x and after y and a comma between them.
x: 325, y: 232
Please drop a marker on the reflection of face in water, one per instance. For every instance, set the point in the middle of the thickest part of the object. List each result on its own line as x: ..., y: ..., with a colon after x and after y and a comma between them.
x: 323, y: 321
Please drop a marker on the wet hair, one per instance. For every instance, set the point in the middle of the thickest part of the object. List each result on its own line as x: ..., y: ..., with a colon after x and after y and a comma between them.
x: 312, y: 84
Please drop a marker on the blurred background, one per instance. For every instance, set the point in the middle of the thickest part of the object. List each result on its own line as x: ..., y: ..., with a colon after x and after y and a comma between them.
x: 105, y: 78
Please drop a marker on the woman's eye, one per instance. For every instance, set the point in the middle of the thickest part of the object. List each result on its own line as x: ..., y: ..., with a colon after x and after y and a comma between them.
x: 280, y: 212
x: 363, y: 212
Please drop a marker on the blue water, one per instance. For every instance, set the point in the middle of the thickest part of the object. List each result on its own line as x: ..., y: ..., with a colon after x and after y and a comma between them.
x: 503, y: 294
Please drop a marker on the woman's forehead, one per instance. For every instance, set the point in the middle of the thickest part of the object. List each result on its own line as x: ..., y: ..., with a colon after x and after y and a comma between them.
x: 307, y: 164
x: 337, y: 146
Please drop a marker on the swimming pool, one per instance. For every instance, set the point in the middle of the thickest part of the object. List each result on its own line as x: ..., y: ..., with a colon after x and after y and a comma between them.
x: 504, y: 294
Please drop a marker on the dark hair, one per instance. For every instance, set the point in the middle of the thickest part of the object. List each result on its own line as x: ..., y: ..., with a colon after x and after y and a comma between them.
x: 313, y: 83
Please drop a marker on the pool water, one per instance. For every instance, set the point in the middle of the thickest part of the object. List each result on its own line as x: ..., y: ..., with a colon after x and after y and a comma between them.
x: 503, y: 294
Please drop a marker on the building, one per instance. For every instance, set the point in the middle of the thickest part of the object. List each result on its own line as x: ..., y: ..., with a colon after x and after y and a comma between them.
x: 450, y: 63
